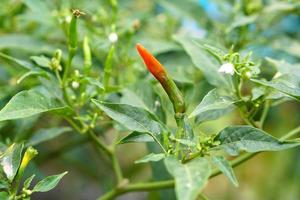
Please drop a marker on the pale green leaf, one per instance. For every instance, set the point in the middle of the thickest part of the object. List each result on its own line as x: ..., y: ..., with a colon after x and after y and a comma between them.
x: 152, y: 157
x: 213, y: 106
x: 226, y: 168
x: 283, y: 84
x: 190, y: 178
x: 41, y: 61
x: 136, y: 137
x: 48, y: 183
x: 43, y: 135
x: 11, y: 160
x: 31, y: 73
x: 202, y: 60
x: 28, y: 103
x: 28, y: 181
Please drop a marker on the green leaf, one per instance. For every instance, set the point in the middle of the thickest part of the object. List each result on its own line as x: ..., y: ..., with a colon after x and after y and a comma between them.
x: 31, y: 73
x: 152, y: 157
x: 4, y: 196
x: 136, y: 137
x: 43, y: 135
x: 284, y: 67
x: 28, y: 103
x: 22, y: 63
x: 237, y: 138
x: 48, y: 183
x: 41, y: 61
x: 133, y: 118
x: 11, y: 160
x: 28, y: 181
x: 226, y: 168
x: 190, y: 178
x: 94, y: 82
x: 3, y: 183
x: 202, y: 60
x: 241, y: 21
x: 213, y: 106
x: 282, y: 84
x: 24, y: 42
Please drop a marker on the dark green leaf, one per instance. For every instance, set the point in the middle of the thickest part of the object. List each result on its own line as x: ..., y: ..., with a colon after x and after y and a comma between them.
x: 237, y: 138
x: 190, y: 178
x: 48, y: 183
x: 133, y: 118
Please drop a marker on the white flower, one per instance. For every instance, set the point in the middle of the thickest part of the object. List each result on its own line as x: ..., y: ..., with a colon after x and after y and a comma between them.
x: 227, y: 68
x: 75, y: 84
x: 113, y: 37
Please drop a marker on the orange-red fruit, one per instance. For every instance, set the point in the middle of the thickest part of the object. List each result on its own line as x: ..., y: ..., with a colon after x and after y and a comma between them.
x: 151, y: 62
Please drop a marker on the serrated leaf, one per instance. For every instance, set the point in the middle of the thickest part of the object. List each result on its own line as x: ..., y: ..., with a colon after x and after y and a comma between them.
x: 247, y: 138
x: 48, y: 183
x: 28, y: 181
x: 11, y: 159
x: 226, y: 168
x: 136, y: 137
x: 212, y: 107
x: 43, y: 135
x: 28, y: 103
x: 202, y: 60
x: 152, y: 157
x: 133, y: 118
x: 190, y: 178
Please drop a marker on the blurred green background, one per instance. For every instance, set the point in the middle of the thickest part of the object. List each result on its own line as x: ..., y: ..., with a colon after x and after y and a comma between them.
x: 269, y: 28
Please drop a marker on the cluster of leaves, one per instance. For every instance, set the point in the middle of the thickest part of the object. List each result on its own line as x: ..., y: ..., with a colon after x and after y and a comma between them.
x: 95, y: 86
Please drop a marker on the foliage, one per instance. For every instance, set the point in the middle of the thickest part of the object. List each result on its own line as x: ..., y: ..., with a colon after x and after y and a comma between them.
x: 70, y: 75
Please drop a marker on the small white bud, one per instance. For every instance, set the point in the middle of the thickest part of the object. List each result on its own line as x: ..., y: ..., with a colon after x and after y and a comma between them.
x: 75, y: 84
x: 226, y: 68
x: 113, y: 37
x: 77, y: 73
x: 157, y: 104
x: 277, y: 75
x: 68, y: 19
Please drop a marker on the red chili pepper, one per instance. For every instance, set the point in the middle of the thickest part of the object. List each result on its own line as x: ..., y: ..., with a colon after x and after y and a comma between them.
x: 159, y: 72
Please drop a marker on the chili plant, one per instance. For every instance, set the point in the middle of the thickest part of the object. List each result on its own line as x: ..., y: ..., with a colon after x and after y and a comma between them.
x: 90, y: 89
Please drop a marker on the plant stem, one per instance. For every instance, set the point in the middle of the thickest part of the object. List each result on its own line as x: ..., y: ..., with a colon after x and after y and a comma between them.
x: 99, y: 143
x: 264, y: 114
x: 158, y: 185
x: 116, y: 167
x: 290, y: 134
x: 180, y: 131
